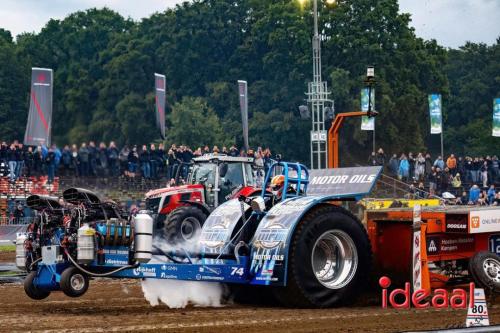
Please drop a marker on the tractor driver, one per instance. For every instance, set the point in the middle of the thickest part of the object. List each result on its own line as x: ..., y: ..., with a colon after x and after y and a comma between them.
x: 277, y: 185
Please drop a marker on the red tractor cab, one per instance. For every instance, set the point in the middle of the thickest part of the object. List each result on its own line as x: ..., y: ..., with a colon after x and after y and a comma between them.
x: 211, y: 180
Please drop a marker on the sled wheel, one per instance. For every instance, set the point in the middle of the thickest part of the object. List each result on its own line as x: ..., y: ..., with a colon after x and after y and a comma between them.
x: 73, y: 282
x: 329, y: 260
x: 31, y: 290
x: 184, y: 224
x: 484, y: 267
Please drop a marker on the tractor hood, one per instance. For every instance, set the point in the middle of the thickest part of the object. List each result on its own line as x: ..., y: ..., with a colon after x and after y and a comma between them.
x: 173, y: 190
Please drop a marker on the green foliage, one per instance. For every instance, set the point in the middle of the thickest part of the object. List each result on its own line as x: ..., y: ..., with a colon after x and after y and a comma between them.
x: 195, y: 124
x: 104, y: 67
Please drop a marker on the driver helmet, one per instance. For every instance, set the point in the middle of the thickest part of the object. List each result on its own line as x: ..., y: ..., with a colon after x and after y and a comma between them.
x: 277, y: 184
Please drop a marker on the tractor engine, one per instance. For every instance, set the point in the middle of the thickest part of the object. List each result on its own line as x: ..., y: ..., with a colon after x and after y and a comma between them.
x: 82, y: 231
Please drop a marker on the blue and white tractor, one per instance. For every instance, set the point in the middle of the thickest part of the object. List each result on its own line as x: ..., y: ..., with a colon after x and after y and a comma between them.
x: 300, y: 246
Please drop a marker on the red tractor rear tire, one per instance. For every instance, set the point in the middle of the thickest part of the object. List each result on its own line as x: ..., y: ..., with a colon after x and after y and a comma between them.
x: 184, y: 224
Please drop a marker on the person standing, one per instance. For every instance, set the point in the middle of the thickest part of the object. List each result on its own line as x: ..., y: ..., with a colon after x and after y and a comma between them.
x: 12, y: 158
x: 380, y: 157
x: 83, y: 154
x: 451, y: 163
x: 145, y: 160
x: 404, y: 168
x: 171, y: 164
x: 29, y: 160
x: 102, y: 160
x: 419, y: 167
x: 428, y: 164
x: 113, y: 154
x: 431, y: 178
x: 484, y: 173
x: 66, y: 160
x: 20, y: 161
x: 476, y: 166
x: 92, y: 159
x: 153, y: 161
x: 133, y: 161
x: 439, y: 163
x: 50, y: 161
x: 411, y: 162
x: 75, y: 160
x: 372, y: 159
x: 394, y: 165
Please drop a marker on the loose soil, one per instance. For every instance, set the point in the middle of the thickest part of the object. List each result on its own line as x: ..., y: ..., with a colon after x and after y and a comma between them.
x: 119, y: 306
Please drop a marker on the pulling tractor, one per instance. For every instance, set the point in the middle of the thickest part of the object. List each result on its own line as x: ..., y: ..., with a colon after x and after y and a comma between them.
x: 303, y: 246
x: 211, y: 180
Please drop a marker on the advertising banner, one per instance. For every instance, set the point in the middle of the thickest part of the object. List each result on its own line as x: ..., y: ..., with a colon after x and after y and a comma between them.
x: 435, y: 113
x: 39, y: 124
x: 496, y: 117
x: 160, y: 85
x: 367, y: 124
x: 486, y: 220
x: 243, y: 93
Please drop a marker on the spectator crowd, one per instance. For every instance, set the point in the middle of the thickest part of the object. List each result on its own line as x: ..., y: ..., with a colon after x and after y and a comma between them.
x: 154, y: 161
x: 471, y: 180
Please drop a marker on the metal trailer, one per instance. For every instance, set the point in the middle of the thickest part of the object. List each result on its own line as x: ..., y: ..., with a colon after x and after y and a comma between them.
x: 307, y: 249
x: 439, y: 247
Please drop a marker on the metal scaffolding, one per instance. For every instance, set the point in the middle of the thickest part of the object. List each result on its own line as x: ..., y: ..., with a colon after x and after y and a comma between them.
x: 317, y: 98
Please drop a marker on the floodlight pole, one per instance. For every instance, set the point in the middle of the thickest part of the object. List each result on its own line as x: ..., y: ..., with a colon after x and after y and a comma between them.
x: 317, y: 97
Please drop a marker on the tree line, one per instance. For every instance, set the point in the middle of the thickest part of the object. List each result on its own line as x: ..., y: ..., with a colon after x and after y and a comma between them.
x: 104, y: 89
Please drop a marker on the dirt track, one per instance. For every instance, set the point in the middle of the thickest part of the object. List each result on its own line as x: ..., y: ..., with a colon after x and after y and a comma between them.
x: 118, y: 306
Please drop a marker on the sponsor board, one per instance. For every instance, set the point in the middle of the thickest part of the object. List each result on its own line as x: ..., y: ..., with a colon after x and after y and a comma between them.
x: 484, y: 221
x: 342, y: 181
x: 448, y: 244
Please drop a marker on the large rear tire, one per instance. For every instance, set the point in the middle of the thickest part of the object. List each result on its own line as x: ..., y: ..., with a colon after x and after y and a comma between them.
x: 329, y: 260
x: 31, y: 290
x: 184, y: 224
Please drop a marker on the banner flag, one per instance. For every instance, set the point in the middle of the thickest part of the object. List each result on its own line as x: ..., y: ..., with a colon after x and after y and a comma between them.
x: 38, y: 128
x: 160, y: 85
x: 435, y: 113
x: 367, y: 123
x: 243, y: 92
x: 496, y: 117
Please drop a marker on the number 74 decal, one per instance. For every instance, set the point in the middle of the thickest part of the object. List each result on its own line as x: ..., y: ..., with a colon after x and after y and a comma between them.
x: 237, y: 271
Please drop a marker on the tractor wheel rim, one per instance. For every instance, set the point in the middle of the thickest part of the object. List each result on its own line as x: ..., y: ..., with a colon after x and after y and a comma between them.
x: 190, y: 227
x: 77, y: 282
x: 492, y: 269
x: 334, y: 259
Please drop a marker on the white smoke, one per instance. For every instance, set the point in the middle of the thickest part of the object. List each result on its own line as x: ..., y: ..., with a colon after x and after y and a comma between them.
x: 177, y: 293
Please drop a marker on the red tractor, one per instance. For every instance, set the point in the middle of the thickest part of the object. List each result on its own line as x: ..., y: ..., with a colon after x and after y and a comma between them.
x: 211, y: 180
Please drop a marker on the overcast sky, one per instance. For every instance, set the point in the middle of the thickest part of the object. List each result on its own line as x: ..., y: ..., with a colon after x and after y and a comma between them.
x: 450, y: 22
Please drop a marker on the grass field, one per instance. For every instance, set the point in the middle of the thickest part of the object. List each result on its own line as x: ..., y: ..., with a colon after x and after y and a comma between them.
x: 7, y: 248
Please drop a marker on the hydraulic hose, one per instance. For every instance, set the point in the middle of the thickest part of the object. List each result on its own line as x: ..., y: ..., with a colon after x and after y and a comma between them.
x: 34, y: 262
x: 99, y: 274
